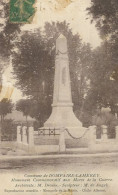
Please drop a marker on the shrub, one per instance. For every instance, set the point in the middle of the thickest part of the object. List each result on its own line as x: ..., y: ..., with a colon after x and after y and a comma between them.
x: 8, y: 130
x: 108, y: 119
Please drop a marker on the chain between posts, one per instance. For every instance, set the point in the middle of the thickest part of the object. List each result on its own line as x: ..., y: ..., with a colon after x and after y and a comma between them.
x: 76, y: 137
x: 44, y: 129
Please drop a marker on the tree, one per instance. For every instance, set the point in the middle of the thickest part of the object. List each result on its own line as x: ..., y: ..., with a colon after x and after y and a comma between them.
x: 9, y: 130
x: 34, y: 66
x: 105, y: 14
x: 6, y: 107
x: 24, y: 106
x: 105, y: 118
x: 33, y: 70
x: 106, y: 17
x: 8, y: 33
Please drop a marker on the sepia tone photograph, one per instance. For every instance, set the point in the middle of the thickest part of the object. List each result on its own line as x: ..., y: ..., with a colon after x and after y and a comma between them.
x: 58, y: 97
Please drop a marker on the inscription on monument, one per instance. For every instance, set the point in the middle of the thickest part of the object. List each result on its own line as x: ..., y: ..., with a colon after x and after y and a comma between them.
x: 64, y: 76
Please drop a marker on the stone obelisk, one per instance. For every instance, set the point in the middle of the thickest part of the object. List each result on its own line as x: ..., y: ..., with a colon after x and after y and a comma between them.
x: 62, y: 108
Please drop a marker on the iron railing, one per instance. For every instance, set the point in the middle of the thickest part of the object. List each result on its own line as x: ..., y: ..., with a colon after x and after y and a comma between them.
x: 48, y: 131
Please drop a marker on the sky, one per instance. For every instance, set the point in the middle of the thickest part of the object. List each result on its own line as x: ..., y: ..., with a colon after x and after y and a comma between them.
x: 74, y: 12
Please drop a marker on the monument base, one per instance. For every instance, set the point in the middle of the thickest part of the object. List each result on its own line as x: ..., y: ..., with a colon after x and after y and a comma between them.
x: 63, y: 116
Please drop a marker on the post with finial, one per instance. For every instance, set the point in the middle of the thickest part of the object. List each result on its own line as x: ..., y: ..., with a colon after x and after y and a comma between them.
x: 31, y: 139
x: 92, y: 137
x: 116, y: 129
x: 18, y: 133
x: 24, y: 135
x: 105, y: 133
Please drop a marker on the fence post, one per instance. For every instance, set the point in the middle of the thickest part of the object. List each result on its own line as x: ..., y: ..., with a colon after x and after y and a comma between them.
x: 62, y: 146
x: 18, y: 134
x: 116, y: 129
x: 0, y: 132
x: 31, y: 136
x: 92, y: 136
x: 104, y: 134
x: 24, y: 135
x: 31, y: 140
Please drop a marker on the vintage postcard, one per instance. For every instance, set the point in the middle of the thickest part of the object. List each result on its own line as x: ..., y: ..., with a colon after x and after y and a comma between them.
x: 58, y: 97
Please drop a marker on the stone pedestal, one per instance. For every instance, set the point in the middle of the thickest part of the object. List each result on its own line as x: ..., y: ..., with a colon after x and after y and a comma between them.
x: 116, y: 128
x: 0, y: 133
x: 92, y: 137
x: 62, y: 107
x: 31, y: 136
x: 31, y: 146
x: 104, y: 135
x: 18, y: 134
x: 24, y: 135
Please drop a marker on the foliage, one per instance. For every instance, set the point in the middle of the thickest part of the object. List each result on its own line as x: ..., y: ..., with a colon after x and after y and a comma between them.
x: 36, y: 125
x: 24, y: 106
x: 8, y: 33
x: 105, y: 118
x: 104, y: 90
x: 6, y: 107
x: 8, y: 130
x: 105, y: 14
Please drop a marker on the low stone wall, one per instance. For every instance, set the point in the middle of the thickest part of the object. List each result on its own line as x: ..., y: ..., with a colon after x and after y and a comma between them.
x: 77, y: 139
x: 76, y: 143
x: 25, y: 138
x: 45, y: 139
x: 28, y: 140
x: 103, y: 144
x: 32, y: 142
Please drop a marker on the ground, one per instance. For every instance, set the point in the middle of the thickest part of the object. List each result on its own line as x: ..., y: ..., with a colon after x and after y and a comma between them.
x: 54, y: 163
x: 15, y: 167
